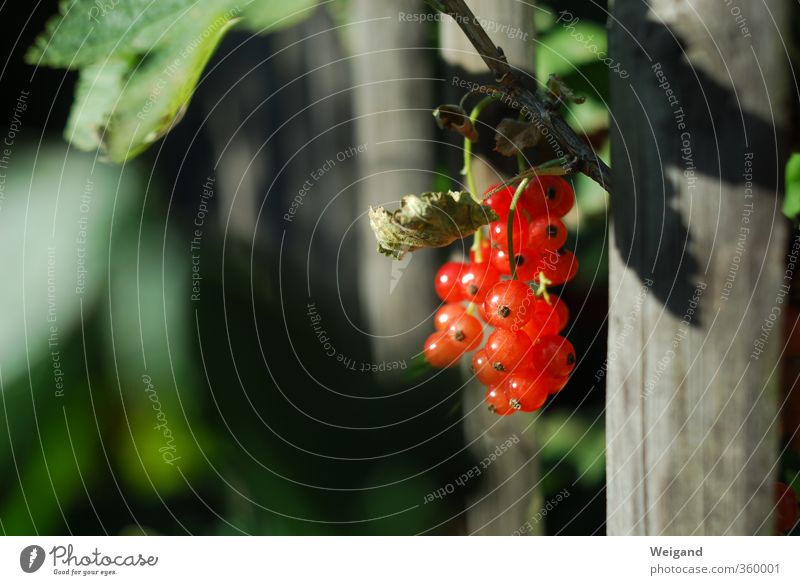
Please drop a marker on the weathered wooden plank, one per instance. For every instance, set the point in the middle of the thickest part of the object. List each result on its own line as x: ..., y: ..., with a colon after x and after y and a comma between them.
x: 508, y: 495
x: 698, y: 151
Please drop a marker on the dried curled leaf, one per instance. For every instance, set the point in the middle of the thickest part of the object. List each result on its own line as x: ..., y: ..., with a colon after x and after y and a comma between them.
x: 453, y: 117
x: 430, y: 220
x: 513, y: 136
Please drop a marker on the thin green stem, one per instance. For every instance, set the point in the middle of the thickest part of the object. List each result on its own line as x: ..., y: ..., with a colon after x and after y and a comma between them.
x: 512, y: 211
x: 477, y: 241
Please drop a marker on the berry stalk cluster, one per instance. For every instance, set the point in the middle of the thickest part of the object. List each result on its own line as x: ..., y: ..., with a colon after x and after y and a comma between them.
x: 524, y: 359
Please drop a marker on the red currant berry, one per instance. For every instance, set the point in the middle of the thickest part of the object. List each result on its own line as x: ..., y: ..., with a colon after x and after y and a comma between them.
x: 554, y: 355
x: 477, y: 279
x: 497, y: 401
x: 500, y: 202
x: 558, y: 266
x: 524, y: 392
x: 509, y: 304
x: 448, y: 280
x: 526, y: 261
x: 546, y: 233
x: 486, y: 373
x: 555, y: 385
x: 441, y: 351
x: 486, y: 252
x: 547, y: 319
x: 447, y: 315
x: 785, y: 508
x: 548, y: 195
x: 466, y: 332
x: 498, y: 231
x: 506, y: 348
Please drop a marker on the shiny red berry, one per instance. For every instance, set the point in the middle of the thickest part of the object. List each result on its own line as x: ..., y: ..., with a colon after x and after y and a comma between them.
x: 477, y: 279
x: 506, y: 348
x: 466, y: 332
x: 498, y: 402
x: 500, y: 202
x: 547, y: 319
x: 786, y: 513
x: 546, y: 233
x: 554, y: 355
x: 526, y: 261
x: 447, y: 315
x: 498, y: 232
x: 448, y: 281
x: 558, y: 266
x: 441, y: 351
x: 485, y: 371
x: 509, y: 304
x: 548, y: 195
x: 525, y: 392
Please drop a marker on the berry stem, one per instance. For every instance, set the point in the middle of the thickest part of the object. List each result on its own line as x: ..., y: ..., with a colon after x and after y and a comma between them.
x: 541, y: 289
x: 467, y: 169
x: 477, y: 241
x: 512, y: 260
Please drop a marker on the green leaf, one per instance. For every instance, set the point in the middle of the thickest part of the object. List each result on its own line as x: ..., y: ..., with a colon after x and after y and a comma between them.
x: 98, y: 89
x: 158, y: 90
x: 140, y: 61
x: 791, y: 201
x: 570, y: 46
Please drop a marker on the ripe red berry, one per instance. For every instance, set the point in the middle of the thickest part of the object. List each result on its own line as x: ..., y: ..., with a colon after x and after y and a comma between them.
x: 548, y: 195
x: 466, y: 332
x: 555, y: 385
x: 785, y: 508
x: 441, y: 351
x: 498, y: 231
x: 448, y: 281
x: 547, y: 319
x: 486, y: 373
x: 526, y: 260
x: 506, y: 348
x: 498, y: 402
x: 509, y: 304
x: 486, y: 252
x: 546, y: 233
x: 554, y: 355
x: 477, y: 279
x: 525, y: 392
x: 558, y: 266
x: 447, y: 315
x: 500, y: 202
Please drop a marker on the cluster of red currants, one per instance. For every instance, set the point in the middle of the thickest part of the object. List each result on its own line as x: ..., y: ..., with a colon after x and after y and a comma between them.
x: 524, y: 359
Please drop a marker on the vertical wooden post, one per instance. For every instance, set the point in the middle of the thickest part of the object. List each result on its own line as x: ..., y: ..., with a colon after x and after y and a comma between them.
x: 507, y: 496
x: 696, y: 265
x: 392, y: 77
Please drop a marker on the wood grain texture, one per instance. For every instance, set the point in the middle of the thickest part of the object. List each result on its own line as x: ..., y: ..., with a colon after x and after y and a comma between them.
x: 699, y: 144
x: 508, y: 494
x: 393, y: 101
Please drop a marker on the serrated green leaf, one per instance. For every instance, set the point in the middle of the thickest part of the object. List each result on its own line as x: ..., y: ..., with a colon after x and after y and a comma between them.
x: 158, y: 90
x: 140, y: 61
x: 791, y: 200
